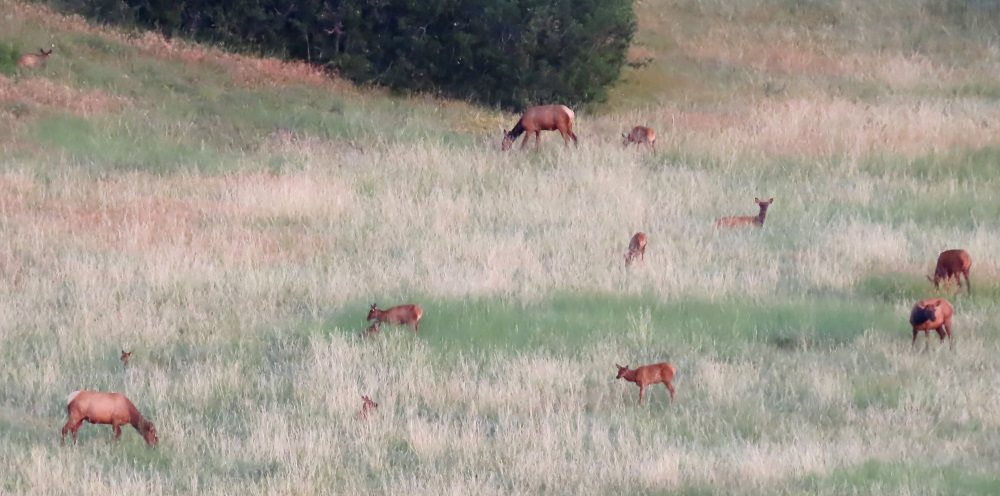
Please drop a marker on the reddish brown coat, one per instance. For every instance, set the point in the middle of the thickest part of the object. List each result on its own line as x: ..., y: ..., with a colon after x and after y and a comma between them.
x: 932, y: 313
x: 34, y: 60
x: 538, y: 119
x: 640, y: 135
x: 397, y: 315
x: 745, y: 221
x: 125, y: 358
x: 106, y: 408
x: 366, y: 407
x: 648, y: 375
x: 636, y: 248
x: 953, y: 263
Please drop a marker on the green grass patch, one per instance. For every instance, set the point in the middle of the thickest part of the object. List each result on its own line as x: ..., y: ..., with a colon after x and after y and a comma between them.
x: 9, y: 52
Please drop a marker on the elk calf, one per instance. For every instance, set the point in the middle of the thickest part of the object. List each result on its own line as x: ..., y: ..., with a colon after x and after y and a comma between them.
x: 648, y: 375
x: 932, y: 313
x: 371, y: 331
x: 745, y: 221
x: 366, y: 408
x: 34, y: 60
x: 640, y: 135
x: 125, y: 357
x: 636, y: 249
x: 398, y: 315
x: 953, y: 263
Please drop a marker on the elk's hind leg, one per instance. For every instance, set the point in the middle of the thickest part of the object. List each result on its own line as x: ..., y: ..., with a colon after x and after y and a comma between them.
x: 671, y: 388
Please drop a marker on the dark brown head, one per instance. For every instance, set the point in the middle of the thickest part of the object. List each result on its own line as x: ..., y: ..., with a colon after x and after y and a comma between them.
x: 508, y: 140
x: 125, y: 356
x: 148, y: 432
x: 621, y: 371
x: 764, y: 205
x: 371, y: 313
x: 922, y: 314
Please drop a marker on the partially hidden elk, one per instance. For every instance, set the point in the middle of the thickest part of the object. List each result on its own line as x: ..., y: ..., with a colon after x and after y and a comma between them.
x: 397, y: 315
x: 953, y: 263
x: 371, y: 331
x: 125, y: 358
x: 747, y: 221
x: 932, y: 313
x: 538, y: 119
x: 640, y: 135
x: 34, y: 60
x: 636, y: 249
x: 106, y: 408
x: 648, y: 375
x: 366, y: 408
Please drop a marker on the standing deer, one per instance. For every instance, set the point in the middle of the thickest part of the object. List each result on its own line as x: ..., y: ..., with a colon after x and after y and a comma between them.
x: 932, y: 313
x: 636, y: 248
x: 953, y: 263
x: 125, y: 357
x: 648, y: 375
x: 398, y: 315
x: 34, y: 60
x: 538, y: 119
x: 366, y: 408
x: 640, y: 135
x: 744, y: 221
x: 105, y: 408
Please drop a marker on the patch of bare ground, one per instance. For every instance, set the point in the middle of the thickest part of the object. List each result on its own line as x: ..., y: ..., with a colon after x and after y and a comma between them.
x: 247, y: 70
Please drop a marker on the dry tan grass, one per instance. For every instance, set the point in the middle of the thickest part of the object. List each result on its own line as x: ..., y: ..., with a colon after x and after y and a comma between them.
x: 48, y: 94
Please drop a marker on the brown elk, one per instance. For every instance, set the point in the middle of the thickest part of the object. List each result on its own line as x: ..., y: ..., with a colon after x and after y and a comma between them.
x: 636, y: 248
x: 398, y: 315
x: 34, y: 60
x: 745, y: 221
x: 538, y: 119
x: 105, y: 408
x: 640, y: 135
x: 932, y: 313
x: 648, y: 375
x: 366, y: 408
x: 953, y: 263
x: 125, y: 357
x: 371, y: 331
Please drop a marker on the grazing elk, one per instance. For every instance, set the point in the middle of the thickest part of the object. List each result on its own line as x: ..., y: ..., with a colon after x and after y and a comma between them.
x: 932, y: 313
x: 125, y: 358
x: 640, y: 135
x: 34, y: 60
x: 538, y: 119
x: 744, y: 221
x: 636, y: 249
x: 398, y: 315
x: 648, y: 375
x: 105, y: 408
x: 953, y: 263
x: 366, y: 408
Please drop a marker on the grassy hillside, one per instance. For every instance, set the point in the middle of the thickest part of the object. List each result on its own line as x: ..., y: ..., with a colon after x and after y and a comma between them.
x: 231, y: 219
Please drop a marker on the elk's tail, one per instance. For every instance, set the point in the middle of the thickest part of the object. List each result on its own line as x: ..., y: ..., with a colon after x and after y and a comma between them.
x: 69, y: 399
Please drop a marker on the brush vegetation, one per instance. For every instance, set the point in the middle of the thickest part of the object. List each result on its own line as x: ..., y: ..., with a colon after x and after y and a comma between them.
x: 232, y: 219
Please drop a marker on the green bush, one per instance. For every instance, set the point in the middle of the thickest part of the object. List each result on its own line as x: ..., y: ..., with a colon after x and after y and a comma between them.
x: 8, y: 57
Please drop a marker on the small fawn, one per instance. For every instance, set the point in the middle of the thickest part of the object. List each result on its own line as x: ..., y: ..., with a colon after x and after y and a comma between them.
x: 34, y: 60
x: 953, y: 263
x: 125, y: 357
x: 366, y: 408
x: 398, y: 315
x: 371, y: 331
x: 640, y: 135
x: 744, y: 221
x: 648, y: 375
x: 636, y: 249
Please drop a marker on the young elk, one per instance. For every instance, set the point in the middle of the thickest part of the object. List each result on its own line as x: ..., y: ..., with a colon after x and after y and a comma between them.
x: 538, y: 119
x: 105, y: 408
x: 636, y: 249
x: 953, y: 263
x: 398, y: 315
x: 932, y: 313
x: 34, y: 60
x: 640, y: 135
x: 744, y: 221
x: 648, y: 375
x: 125, y: 357
x: 371, y: 331
x: 366, y: 408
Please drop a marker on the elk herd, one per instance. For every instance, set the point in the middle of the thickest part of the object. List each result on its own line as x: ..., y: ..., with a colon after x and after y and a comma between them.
x: 929, y: 314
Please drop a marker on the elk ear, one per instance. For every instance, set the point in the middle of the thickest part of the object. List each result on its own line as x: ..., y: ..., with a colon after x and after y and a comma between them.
x: 756, y: 200
x: 770, y: 201
x: 373, y: 306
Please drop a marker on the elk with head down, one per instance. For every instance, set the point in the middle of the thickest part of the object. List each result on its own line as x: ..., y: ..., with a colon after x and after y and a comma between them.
x: 636, y: 248
x: 640, y: 135
x: 538, y: 119
x: 106, y: 408
x: 953, y: 263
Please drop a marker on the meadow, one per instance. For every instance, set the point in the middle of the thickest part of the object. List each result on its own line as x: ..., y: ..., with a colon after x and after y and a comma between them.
x: 232, y: 218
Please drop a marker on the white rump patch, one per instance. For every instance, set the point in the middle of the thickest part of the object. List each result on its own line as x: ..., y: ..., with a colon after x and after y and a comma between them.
x: 69, y: 399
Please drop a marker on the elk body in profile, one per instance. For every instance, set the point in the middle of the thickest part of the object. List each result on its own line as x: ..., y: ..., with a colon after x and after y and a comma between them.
x: 932, y: 313
x: 106, y: 408
x: 366, y: 408
x: 640, y: 135
x: 34, y: 60
x: 538, y: 119
x: 953, y: 263
x: 636, y: 248
x: 648, y: 375
x: 397, y: 315
x: 746, y: 221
